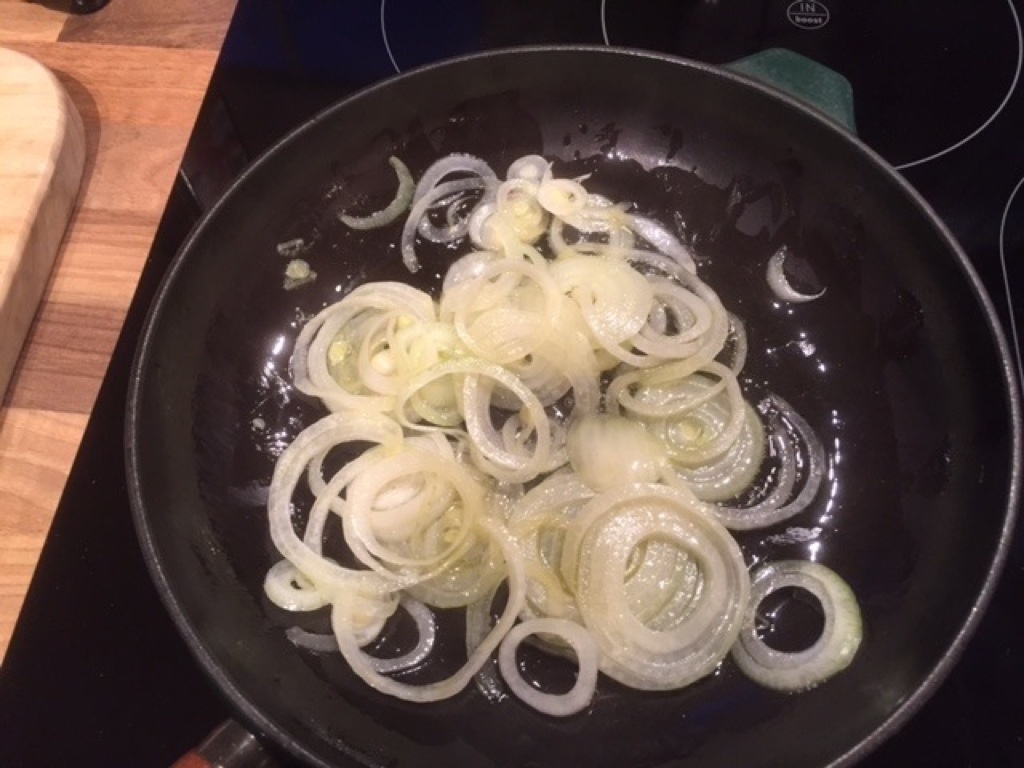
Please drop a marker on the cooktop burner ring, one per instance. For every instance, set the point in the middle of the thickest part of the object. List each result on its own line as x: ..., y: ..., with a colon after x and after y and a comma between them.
x: 1006, y: 276
x: 908, y: 132
x: 384, y: 37
x: 993, y: 116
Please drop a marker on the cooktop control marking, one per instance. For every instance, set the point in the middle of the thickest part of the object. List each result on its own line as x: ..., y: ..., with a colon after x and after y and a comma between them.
x: 808, y: 15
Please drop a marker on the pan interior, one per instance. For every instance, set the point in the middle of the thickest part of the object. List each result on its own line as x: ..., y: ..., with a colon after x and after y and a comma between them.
x: 896, y: 367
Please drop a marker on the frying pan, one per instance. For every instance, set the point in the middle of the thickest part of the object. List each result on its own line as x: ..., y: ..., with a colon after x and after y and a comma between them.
x: 900, y: 367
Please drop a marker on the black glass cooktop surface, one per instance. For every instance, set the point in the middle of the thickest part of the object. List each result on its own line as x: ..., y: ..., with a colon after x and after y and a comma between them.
x: 96, y: 673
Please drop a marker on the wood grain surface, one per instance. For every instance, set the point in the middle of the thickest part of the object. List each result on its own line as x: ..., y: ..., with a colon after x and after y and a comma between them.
x: 42, y: 155
x: 136, y: 71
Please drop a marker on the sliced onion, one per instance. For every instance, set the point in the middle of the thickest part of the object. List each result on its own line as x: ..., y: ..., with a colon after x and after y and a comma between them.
x: 738, y: 343
x: 311, y: 641
x: 394, y: 209
x: 538, y: 524
x: 454, y: 501
x: 606, y: 451
x: 314, y: 441
x: 489, y: 449
x: 479, y: 623
x: 429, y: 191
x: 455, y: 163
x: 292, y: 248
x: 732, y: 473
x: 520, y: 209
x: 563, y: 198
x: 779, y: 505
x: 599, y: 545
x: 474, y: 575
x: 618, y: 555
x: 288, y: 588
x: 344, y: 325
x: 614, y: 299
x: 779, y: 283
x: 699, y: 418
x: 664, y: 241
x: 362, y: 664
x: 426, y: 633
x: 505, y: 311
x: 510, y: 462
x: 529, y: 167
x: 470, y: 267
x: 426, y: 630
x: 575, y: 699
x: 831, y: 652
x: 452, y: 197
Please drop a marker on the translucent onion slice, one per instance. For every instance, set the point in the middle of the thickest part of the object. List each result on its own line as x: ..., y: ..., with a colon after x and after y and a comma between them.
x: 830, y: 653
x: 330, y: 343
x: 664, y: 241
x: 479, y: 623
x: 780, y: 505
x: 333, y: 430
x: 601, y: 217
x: 362, y: 664
x: 663, y: 586
x: 732, y: 473
x: 529, y: 167
x: 426, y: 633
x: 491, y: 451
x: 454, y: 163
x: 738, y: 346
x: 505, y: 311
x: 458, y: 204
x: 699, y: 418
x: 563, y: 198
x: 688, y: 315
x: 599, y: 547
x: 620, y: 391
x: 641, y: 579
x: 394, y: 209
x: 430, y: 191
x: 288, y: 588
x: 476, y: 573
x: 780, y: 284
x: 613, y: 298
x: 468, y: 268
x: 606, y: 451
x: 576, y: 637
x: 416, y: 542
x: 519, y: 206
x: 538, y: 524
x: 316, y: 642
x: 507, y: 460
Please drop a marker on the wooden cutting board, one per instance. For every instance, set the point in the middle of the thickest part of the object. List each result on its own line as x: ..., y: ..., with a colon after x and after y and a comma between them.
x: 42, y: 155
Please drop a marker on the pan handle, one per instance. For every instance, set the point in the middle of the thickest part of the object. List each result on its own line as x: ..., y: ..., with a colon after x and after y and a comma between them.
x: 229, y: 745
x: 803, y: 78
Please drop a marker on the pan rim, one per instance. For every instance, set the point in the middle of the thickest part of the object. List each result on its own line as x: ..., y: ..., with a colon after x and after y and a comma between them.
x: 200, y: 649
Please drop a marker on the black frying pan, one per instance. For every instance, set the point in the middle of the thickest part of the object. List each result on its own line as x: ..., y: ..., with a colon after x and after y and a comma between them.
x: 905, y: 377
